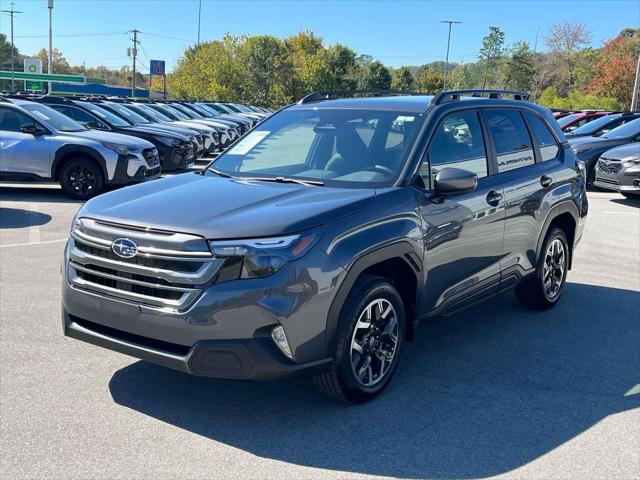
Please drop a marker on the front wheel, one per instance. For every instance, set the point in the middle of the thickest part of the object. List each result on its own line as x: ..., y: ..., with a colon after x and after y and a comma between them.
x: 369, y: 339
x: 542, y: 290
x: 81, y: 179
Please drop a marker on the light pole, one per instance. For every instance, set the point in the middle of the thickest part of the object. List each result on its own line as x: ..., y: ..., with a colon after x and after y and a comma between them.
x: 12, y: 13
x: 50, y: 65
x: 199, y: 15
x: 446, y: 62
x: 636, y: 86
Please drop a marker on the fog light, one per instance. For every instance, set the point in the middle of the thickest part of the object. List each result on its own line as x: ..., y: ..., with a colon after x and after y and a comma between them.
x: 280, y: 339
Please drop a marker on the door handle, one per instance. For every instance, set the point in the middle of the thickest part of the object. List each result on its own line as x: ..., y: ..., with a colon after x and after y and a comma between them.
x: 493, y: 198
x: 546, y: 181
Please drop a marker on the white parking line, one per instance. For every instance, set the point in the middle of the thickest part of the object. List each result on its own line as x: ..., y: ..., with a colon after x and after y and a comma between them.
x: 59, y: 240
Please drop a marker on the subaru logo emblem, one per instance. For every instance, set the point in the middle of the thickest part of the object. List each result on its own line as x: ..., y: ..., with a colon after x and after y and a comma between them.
x: 125, y: 248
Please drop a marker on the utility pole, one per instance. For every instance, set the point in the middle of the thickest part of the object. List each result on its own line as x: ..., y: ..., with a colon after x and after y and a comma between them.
x: 134, y: 54
x: 12, y: 13
x: 535, y: 45
x: 446, y: 62
x: 50, y: 65
x: 636, y: 87
x: 199, y: 15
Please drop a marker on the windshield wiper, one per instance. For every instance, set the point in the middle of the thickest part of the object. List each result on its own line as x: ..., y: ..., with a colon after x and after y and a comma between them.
x: 219, y: 173
x: 299, y: 181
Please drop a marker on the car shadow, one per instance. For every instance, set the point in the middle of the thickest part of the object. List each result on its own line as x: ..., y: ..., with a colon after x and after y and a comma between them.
x: 475, y: 395
x: 632, y: 202
x: 20, y: 218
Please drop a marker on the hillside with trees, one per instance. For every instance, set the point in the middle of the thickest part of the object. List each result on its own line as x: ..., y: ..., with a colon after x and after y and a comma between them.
x: 271, y: 71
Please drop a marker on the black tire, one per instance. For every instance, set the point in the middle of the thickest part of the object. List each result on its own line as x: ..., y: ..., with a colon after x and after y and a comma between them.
x: 81, y: 179
x: 632, y: 196
x: 533, y: 293
x: 340, y: 382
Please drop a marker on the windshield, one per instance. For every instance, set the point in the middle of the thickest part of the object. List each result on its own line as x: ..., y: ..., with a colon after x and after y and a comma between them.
x: 231, y: 107
x: 341, y: 147
x: 568, y: 119
x: 205, y: 110
x: 624, y: 131
x: 595, y: 125
x: 105, y: 115
x: 175, y: 112
x: 186, y: 111
x: 51, y: 117
x: 126, y: 113
x: 216, y: 108
x: 154, y: 114
x: 162, y: 110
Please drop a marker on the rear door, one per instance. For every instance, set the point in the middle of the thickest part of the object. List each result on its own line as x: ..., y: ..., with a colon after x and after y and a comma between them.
x: 22, y: 153
x: 462, y: 233
x: 528, y: 158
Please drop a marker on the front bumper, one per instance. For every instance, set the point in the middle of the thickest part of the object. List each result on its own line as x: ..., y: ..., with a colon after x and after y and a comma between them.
x: 248, y: 359
x: 177, y: 158
x: 134, y: 169
x: 626, y: 180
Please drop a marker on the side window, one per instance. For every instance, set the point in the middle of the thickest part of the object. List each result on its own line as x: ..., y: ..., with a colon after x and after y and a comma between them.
x: 85, y: 118
x: 543, y: 137
x: 12, y: 120
x: 457, y: 142
x: 511, y: 139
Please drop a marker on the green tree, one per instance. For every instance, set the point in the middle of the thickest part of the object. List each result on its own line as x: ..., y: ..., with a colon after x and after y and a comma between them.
x: 265, y: 70
x: 402, y: 79
x: 519, y: 67
x: 375, y: 77
x: 490, y: 54
x: 5, y: 61
x: 429, y: 79
x: 566, y: 39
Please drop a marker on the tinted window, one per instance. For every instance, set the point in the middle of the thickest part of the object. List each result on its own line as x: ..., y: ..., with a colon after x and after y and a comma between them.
x: 627, y: 130
x: 105, y: 115
x: 511, y: 139
x: 598, y: 124
x: 568, y: 119
x: 457, y: 143
x: 84, y: 118
x: 12, y: 120
x: 53, y: 118
x: 543, y: 138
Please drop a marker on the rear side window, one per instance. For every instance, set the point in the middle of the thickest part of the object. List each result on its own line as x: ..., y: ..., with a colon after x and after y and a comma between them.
x: 457, y: 143
x: 543, y: 137
x: 511, y: 139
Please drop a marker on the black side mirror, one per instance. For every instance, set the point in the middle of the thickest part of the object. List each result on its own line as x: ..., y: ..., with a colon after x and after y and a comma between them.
x: 455, y: 181
x: 31, y: 130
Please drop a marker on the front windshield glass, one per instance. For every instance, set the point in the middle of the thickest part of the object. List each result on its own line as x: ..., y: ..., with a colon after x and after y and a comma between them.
x: 186, y: 111
x: 568, y: 119
x: 154, y: 114
x: 51, y: 117
x: 162, y: 110
x: 624, y: 131
x: 216, y: 108
x: 335, y: 146
x: 105, y: 115
x: 595, y: 125
x: 177, y: 113
x: 204, y: 110
x: 127, y: 113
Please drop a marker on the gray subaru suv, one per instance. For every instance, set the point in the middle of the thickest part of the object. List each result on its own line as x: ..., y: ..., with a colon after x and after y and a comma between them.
x: 317, y: 243
x: 38, y: 143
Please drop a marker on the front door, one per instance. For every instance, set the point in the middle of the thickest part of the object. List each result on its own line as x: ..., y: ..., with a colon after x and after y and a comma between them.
x: 22, y: 153
x: 463, y: 233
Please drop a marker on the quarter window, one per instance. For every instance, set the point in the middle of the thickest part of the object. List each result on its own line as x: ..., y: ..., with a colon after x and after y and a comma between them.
x: 457, y: 143
x: 511, y: 139
x: 543, y: 137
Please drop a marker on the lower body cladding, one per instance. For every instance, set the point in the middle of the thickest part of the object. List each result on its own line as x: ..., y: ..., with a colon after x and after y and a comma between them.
x: 615, y: 176
x: 135, y: 168
x: 226, y: 330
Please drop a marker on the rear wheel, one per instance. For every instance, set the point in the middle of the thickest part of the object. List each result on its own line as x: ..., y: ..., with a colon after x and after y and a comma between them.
x: 81, y: 179
x: 543, y: 289
x: 368, y: 342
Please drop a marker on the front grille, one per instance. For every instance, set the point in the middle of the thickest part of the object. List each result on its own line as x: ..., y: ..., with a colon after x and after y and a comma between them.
x: 151, y: 156
x: 169, y: 270
x: 609, y: 166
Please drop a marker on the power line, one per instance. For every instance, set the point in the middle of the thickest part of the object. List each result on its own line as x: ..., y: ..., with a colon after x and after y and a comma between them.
x: 168, y: 37
x: 73, y: 35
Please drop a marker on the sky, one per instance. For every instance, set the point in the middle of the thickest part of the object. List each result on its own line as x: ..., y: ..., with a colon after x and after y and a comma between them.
x: 394, y: 32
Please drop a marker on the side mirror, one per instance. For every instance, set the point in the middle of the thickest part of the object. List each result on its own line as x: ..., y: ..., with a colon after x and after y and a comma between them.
x: 455, y: 181
x: 31, y: 130
x: 95, y: 126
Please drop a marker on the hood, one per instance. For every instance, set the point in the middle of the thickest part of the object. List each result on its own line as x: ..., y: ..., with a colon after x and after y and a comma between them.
x: 590, y: 142
x: 157, y: 131
x: 625, y: 152
x: 226, y: 208
x: 111, y: 137
x: 165, y: 127
x: 192, y: 124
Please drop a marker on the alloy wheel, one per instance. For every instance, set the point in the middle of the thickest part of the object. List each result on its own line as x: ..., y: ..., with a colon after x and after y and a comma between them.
x: 81, y: 179
x: 374, y: 342
x: 554, y: 267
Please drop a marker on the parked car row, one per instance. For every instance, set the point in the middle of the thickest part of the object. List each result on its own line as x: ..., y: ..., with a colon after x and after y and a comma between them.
x: 609, y: 145
x: 87, y: 143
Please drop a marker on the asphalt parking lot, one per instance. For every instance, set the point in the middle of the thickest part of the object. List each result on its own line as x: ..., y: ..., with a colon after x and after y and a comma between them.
x: 495, y: 391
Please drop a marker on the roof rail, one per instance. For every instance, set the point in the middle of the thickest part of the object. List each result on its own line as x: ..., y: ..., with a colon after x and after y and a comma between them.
x: 333, y: 95
x: 453, y: 95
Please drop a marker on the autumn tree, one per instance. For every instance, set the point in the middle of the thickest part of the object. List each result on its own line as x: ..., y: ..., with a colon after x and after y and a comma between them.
x: 429, y: 79
x: 60, y: 63
x: 615, y: 72
x: 402, y: 79
x: 566, y: 39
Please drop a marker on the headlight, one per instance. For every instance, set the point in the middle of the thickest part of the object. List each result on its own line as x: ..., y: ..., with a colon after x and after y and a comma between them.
x: 171, y: 142
x: 265, y: 256
x: 122, y: 149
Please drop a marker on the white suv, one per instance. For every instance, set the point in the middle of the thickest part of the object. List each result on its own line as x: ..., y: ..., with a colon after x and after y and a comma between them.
x: 39, y: 143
